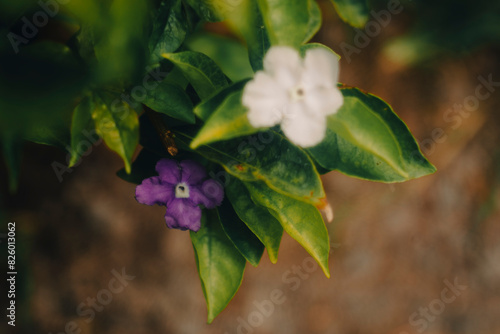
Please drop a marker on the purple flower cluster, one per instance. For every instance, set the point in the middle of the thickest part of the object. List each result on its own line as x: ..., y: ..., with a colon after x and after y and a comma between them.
x: 181, y: 187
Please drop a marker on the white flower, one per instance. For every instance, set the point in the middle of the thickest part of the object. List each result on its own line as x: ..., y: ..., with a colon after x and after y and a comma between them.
x: 297, y: 93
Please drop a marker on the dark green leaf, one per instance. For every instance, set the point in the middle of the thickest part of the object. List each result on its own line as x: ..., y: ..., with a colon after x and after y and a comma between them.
x: 169, y: 29
x: 172, y: 101
x: 267, y: 156
x: 257, y: 218
x: 219, y: 263
x: 201, y: 71
x: 83, y: 133
x: 56, y: 135
x: 240, y: 235
x: 143, y: 167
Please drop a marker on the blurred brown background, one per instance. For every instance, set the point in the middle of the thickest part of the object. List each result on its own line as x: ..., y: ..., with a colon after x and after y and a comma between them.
x: 395, y: 247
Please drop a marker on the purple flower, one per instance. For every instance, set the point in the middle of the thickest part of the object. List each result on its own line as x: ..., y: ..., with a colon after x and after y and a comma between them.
x: 181, y: 187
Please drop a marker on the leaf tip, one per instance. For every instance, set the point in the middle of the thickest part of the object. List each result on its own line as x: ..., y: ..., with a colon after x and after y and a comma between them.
x: 273, y: 258
x: 195, y: 143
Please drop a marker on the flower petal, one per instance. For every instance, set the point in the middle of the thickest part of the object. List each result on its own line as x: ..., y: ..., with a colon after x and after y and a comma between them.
x: 169, y: 171
x: 324, y: 101
x: 284, y: 64
x: 153, y: 191
x: 321, y: 68
x: 183, y: 215
x: 210, y: 194
x: 302, y: 128
x: 265, y: 99
x: 192, y: 172
x: 281, y: 57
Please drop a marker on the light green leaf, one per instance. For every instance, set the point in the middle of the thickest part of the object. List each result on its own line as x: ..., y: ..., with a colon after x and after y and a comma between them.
x: 240, y: 235
x: 219, y: 264
x: 118, y: 125
x: 228, y: 121
x: 267, y: 156
x: 246, y: 20
x: 309, y: 46
x: 353, y: 12
x: 121, y: 40
x: 229, y: 53
x: 206, y: 108
x: 201, y: 71
x: 172, y: 101
x: 257, y: 218
x: 82, y: 128
x: 279, y: 15
x: 314, y: 23
x: 366, y: 139
x: 213, y: 10
x: 300, y: 220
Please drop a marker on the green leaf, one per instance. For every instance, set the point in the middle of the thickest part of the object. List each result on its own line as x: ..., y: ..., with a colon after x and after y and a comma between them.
x: 219, y: 264
x: 267, y: 156
x: 228, y: 121
x: 300, y: 220
x: 240, y: 235
x: 354, y: 12
x: 213, y: 10
x: 82, y: 128
x: 228, y: 53
x: 303, y: 49
x: 366, y: 139
x: 201, y: 71
x: 118, y: 125
x: 315, y: 20
x: 246, y: 19
x: 121, y: 41
x: 172, y: 101
x: 169, y: 29
x: 56, y: 135
x: 257, y: 218
x: 279, y: 15
x: 206, y: 108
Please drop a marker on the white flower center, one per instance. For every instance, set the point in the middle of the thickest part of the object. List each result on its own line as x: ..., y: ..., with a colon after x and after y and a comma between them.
x: 182, y: 190
x: 297, y: 93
